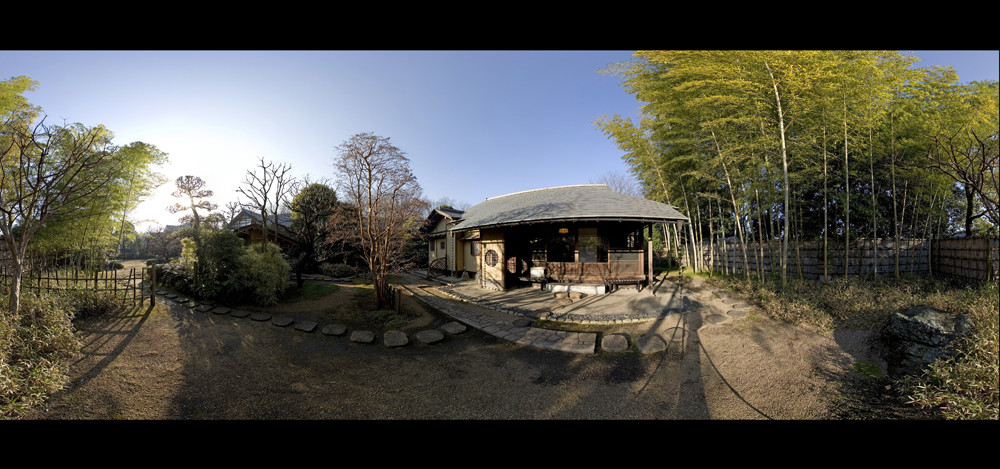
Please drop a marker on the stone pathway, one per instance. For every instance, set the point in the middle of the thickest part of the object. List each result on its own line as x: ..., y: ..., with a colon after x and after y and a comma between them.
x: 511, y: 323
x: 390, y: 339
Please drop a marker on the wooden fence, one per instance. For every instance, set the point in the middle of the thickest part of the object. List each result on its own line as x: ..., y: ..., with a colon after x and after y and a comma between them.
x: 970, y: 258
x: 127, y: 286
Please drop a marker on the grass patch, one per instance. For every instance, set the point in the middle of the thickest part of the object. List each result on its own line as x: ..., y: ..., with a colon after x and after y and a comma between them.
x: 361, y: 312
x: 867, y: 369
x: 309, y: 291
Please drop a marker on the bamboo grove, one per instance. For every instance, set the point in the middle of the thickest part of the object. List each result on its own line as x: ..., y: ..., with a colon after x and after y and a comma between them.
x: 827, y: 146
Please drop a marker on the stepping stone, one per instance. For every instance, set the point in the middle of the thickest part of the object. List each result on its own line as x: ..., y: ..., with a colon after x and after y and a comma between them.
x: 239, y: 313
x: 221, y: 310
x: 737, y: 313
x: 716, y: 318
x: 161, y: 292
x: 171, y: 295
x: 674, y: 334
x: 614, y: 343
x: 282, y: 321
x: 730, y: 300
x: 395, y: 339
x: 741, y: 306
x: 306, y: 326
x: 204, y: 308
x: 651, y: 344
x: 364, y: 337
x: 260, y: 316
x: 430, y: 336
x: 454, y: 327
x: 334, y: 329
x: 522, y: 322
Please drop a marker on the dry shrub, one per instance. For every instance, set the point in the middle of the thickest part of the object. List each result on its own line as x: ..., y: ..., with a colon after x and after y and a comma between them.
x: 35, y: 348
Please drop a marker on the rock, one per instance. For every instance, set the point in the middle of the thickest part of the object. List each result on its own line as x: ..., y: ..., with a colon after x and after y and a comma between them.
x: 614, y: 343
x: 575, y: 295
x: 239, y: 313
x: 430, y: 336
x: 454, y: 328
x: 260, y: 316
x: 334, y: 329
x: 716, y: 318
x: 522, y: 322
x: 917, y: 336
x: 651, y: 344
x: 561, y: 294
x: 282, y: 321
x: 220, y: 310
x: 364, y: 337
x: 395, y: 339
x: 306, y: 326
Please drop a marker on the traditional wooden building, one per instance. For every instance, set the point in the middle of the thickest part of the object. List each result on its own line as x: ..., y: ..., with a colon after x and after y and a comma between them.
x: 247, y: 225
x: 581, y: 237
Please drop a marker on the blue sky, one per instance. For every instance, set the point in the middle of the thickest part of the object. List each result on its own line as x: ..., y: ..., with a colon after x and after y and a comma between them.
x: 474, y: 124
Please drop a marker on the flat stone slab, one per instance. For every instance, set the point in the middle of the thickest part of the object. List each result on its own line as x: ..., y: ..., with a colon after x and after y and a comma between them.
x: 306, y: 326
x: 716, y: 318
x: 364, y: 337
x: 395, y: 339
x: 737, y: 313
x: 522, y: 322
x: 614, y: 343
x: 282, y: 321
x: 334, y: 329
x: 221, y: 310
x: 430, y: 336
x: 239, y: 313
x: 260, y: 316
x: 674, y: 334
x: 204, y: 308
x: 741, y: 306
x: 171, y: 295
x: 454, y: 327
x: 651, y: 344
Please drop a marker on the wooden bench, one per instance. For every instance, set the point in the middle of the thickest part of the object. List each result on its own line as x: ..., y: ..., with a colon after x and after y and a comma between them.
x: 613, y: 283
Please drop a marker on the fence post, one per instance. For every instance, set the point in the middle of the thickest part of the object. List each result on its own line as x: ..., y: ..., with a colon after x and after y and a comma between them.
x: 989, y: 259
x: 152, y: 285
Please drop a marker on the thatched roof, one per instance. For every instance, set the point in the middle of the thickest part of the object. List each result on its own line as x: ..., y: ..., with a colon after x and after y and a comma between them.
x: 584, y: 202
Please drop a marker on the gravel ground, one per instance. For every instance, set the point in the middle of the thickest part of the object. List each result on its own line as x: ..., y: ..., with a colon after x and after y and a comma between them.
x: 168, y: 363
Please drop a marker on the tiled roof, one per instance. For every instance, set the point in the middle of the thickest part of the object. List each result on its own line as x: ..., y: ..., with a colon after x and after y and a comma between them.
x: 566, y: 203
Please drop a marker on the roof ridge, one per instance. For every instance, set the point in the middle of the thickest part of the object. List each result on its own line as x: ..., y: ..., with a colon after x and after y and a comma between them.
x: 545, y: 189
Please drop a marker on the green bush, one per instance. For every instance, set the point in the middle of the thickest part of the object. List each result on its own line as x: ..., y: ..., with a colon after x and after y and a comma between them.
x: 338, y: 270
x: 262, y: 274
x: 35, y: 348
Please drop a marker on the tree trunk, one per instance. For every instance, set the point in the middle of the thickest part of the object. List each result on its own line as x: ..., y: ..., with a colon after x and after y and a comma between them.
x: 784, y: 171
x: 847, y: 205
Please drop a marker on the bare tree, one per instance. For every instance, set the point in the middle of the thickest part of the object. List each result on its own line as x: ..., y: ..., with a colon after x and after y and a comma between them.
x: 267, y: 187
x: 620, y: 183
x: 229, y: 212
x: 375, y: 178
x: 973, y: 162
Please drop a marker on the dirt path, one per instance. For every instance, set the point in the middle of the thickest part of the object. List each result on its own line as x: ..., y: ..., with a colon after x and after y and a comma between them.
x: 168, y: 362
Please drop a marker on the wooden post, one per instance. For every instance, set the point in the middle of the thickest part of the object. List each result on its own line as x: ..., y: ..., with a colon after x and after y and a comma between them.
x: 649, y: 259
x: 152, y: 286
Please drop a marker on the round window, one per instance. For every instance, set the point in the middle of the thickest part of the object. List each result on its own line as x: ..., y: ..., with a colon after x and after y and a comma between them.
x: 492, y: 258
